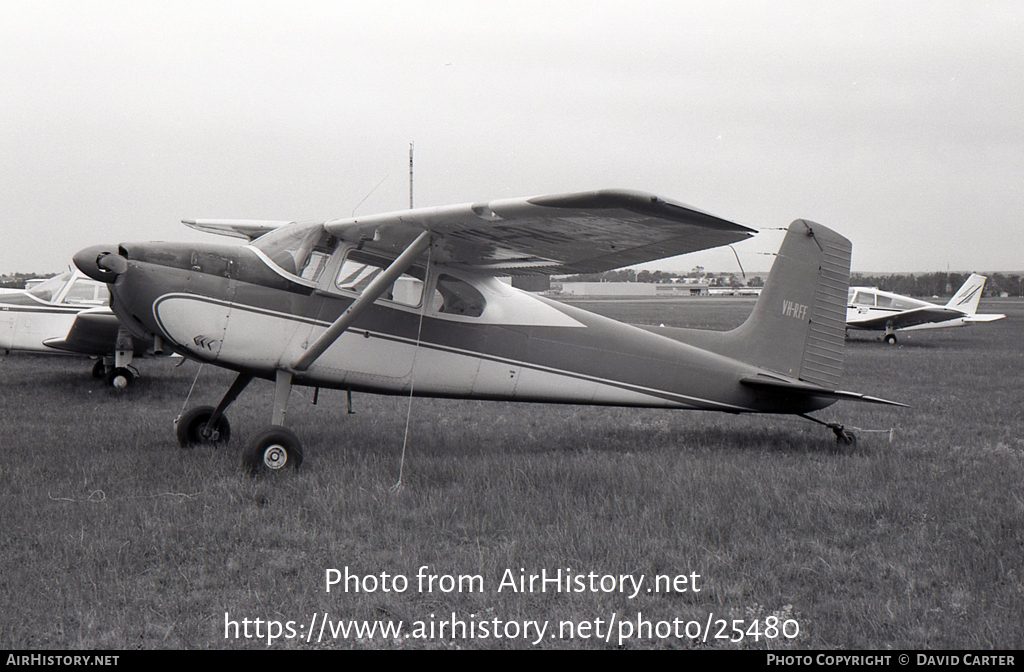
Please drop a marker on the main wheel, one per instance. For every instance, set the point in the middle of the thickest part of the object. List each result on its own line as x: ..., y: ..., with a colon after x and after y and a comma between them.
x: 120, y: 378
x: 890, y: 339
x: 99, y: 370
x: 194, y: 428
x: 272, y: 450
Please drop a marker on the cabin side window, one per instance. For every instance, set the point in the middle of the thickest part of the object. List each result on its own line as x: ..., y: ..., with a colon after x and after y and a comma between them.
x: 87, y: 292
x: 359, y: 269
x: 863, y: 299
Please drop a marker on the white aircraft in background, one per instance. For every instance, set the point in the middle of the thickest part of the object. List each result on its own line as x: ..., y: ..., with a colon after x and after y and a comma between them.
x: 69, y: 314
x: 872, y: 309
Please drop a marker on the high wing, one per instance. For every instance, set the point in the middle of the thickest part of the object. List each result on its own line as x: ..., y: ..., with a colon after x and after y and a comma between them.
x: 907, y: 318
x: 250, y: 229
x: 586, y: 232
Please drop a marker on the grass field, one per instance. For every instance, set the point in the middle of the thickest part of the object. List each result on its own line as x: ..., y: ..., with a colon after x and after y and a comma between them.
x: 114, y: 537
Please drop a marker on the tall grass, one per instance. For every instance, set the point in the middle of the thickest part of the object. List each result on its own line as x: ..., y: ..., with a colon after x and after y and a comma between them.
x: 114, y: 537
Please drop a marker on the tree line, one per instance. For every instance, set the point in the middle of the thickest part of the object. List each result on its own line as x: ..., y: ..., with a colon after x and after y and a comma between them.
x: 938, y: 284
x: 909, y: 284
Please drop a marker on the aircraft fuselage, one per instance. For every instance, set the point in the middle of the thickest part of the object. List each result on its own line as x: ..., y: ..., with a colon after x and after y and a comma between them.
x: 227, y: 305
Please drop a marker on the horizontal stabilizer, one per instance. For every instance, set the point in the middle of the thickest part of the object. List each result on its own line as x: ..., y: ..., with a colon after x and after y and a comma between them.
x: 808, y: 389
x: 983, y: 317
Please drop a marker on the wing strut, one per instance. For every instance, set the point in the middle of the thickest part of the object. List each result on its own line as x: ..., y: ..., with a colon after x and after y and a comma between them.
x: 373, y: 292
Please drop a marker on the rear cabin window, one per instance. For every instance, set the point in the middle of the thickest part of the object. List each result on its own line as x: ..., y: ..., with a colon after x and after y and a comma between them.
x: 457, y: 297
x: 905, y: 304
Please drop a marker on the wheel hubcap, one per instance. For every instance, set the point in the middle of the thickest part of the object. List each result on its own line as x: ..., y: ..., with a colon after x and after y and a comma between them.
x: 208, y: 433
x: 275, y: 456
x: 120, y: 382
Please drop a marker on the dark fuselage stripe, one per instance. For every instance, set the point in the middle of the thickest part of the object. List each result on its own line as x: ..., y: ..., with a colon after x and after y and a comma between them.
x: 661, y: 394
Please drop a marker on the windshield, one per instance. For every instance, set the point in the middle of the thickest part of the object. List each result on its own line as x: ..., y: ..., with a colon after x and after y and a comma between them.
x: 298, y: 249
x: 45, y: 291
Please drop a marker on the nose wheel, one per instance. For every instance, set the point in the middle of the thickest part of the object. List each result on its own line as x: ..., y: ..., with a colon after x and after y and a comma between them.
x: 120, y: 377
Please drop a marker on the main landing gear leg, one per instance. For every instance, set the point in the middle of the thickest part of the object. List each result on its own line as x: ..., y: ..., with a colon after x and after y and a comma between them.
x: 276, y: 447
x: 844, y: 437
x: 890, y: 335
x: 206, y: 424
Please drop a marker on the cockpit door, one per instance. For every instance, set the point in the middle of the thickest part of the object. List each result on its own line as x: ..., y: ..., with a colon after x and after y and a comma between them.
x: 379, y: 349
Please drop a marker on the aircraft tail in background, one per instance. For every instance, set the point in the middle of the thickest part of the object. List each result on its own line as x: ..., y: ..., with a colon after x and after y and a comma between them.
x: 968, y: 296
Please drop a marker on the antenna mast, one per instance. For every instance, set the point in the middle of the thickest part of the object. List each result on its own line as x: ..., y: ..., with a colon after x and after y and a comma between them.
x: 410, y: 175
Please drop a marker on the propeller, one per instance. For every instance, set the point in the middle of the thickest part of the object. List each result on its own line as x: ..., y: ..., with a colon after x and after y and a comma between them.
x: 100, y: 262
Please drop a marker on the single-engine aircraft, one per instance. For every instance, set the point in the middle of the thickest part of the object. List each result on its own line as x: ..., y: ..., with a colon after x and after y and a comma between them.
x: 410, y: 302
x: 68, y: 315
x: 872, y: 309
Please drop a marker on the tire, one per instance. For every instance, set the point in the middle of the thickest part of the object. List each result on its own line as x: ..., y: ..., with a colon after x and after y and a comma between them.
x: 191, y: 426
x: 120, y: 378
x: 890, y: 339
x: 99, y: 370
x: 272, y: 450
x: 846, y: 439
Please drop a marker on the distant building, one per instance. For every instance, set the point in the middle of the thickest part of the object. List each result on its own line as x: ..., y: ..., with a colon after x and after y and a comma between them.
x: 665, y: 289
x: 532, y: 283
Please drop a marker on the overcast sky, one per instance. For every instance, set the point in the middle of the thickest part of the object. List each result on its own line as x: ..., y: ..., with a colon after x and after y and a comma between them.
x: 897, y: 122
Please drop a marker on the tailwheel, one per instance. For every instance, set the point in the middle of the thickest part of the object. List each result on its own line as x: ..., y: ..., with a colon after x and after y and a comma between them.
x: 194, y: 428
x: 844, y: 437
x: 119, y: 378
x: 272, y: 450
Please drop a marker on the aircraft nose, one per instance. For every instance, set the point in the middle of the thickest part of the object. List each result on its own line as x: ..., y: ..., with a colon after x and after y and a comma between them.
x: 101, y: 262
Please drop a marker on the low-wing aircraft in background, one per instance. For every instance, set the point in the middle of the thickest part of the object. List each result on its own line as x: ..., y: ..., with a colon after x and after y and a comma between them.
x: 872, y: 309
x: 409, y: 303
x: 68, y: 315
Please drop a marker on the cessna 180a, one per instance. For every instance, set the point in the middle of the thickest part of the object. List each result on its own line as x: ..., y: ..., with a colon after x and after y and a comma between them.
x: 409, y: 302
x: 68, y: 315
x: 872, y: 309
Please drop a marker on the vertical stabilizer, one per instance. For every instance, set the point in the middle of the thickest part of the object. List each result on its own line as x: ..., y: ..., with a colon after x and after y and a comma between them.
x: 968, y: 296
x: 798, y: 325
